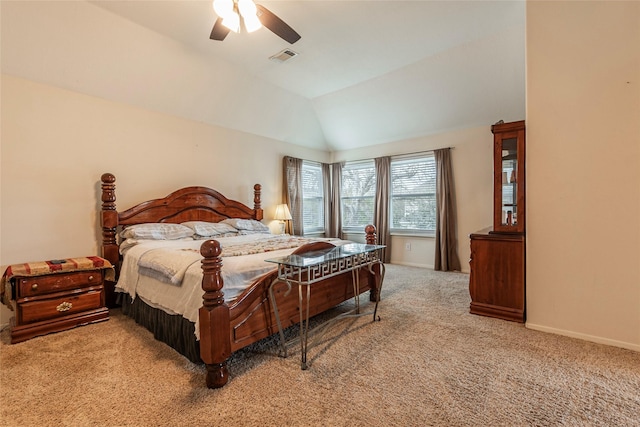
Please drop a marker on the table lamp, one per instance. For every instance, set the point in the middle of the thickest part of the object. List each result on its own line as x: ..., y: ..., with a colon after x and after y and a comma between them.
x: 282, y: 215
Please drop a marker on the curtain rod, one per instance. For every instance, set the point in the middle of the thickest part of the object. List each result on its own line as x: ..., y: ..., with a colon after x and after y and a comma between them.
x: 399, y: 155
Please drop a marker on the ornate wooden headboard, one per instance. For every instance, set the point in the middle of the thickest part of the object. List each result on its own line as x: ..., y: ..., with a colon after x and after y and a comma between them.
x: 186, y: 204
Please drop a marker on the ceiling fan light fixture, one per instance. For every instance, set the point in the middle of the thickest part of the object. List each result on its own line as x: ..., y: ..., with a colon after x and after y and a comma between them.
x: 233, y: 15
x: 247, y: 8
x: 249, y: 13
x: 252, y: 23
x: 232, y: 22
x: 223, y: 8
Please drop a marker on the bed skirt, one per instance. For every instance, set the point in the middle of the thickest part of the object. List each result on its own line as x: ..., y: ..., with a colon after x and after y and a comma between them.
x: 172, y: 329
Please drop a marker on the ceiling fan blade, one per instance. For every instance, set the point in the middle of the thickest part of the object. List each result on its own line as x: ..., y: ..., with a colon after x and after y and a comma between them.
x: 219, y: 31
x: 277, y: 25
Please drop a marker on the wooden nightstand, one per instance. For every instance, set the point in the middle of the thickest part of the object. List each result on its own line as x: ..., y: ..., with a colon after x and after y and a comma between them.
x: 65, y: 295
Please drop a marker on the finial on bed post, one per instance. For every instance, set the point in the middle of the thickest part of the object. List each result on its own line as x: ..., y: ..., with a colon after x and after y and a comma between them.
x: 257, y: 207
x: 215, y: 342
x: 109, y: 219
x: 371, y: 237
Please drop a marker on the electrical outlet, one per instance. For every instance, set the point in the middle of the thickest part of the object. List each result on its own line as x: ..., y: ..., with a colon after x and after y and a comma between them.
x: 407, y: 246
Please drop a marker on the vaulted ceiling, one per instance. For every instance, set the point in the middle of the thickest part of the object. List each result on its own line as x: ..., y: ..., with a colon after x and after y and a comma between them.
x: 367, y: 72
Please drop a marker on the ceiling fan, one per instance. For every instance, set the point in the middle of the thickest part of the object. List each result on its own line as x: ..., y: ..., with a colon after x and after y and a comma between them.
x: 236, y: 14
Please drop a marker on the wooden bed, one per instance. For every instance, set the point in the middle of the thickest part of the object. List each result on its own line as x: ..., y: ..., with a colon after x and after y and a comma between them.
x: 226, y: 326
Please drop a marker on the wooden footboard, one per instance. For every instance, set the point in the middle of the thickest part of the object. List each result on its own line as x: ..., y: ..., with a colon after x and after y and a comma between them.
x: 225, y: 328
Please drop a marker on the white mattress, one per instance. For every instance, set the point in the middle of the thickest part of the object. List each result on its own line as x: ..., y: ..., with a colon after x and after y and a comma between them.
x: 238, y: 272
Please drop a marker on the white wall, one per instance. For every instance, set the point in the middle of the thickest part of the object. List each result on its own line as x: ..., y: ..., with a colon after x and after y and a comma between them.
x: 583, y: 170
x: 472, y: 162
x: 56, y: 144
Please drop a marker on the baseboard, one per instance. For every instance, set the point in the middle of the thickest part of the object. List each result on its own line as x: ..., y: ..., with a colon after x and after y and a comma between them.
x: 429, y: 266
x: 585, y: 337
x: 411, y: 264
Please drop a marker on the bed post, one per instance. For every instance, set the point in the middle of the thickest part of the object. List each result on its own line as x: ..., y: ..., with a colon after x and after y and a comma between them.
x: 215, y: 341
x: 257, y: 208
x: 371, y: 239
x: 109, y: 222
x: 109, y: 218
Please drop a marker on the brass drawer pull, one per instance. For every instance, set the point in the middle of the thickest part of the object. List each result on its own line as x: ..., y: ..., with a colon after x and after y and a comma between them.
x: 34, y: 287
x: 65, y: 306
x: 90, y: 278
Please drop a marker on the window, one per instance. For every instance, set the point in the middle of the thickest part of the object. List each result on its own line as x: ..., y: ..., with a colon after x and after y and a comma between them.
x: 358, y: 193
x: 413, y: 194
x: 312, y: 198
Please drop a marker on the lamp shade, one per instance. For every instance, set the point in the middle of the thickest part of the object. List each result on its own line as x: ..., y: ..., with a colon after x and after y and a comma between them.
x: 282, y: 213
x: 247, y: 8
x: 252, y: 23
x: 232, y: 22
x: 223, y: 8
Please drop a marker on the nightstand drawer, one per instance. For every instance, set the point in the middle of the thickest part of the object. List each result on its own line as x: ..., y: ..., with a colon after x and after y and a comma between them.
x: 39, y: 285
x: 58, y: 307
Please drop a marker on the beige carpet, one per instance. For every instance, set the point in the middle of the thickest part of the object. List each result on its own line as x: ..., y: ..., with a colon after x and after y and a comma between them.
x: 428, y: 362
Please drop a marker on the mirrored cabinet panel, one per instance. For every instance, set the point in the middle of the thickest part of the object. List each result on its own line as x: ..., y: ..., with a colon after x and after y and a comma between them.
x: 509, y: 177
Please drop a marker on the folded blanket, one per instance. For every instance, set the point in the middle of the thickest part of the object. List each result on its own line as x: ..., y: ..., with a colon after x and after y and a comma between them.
x: 168, y: 264
x: 275, y: 243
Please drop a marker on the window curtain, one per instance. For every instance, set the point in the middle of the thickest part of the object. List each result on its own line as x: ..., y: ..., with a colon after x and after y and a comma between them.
x: 381, y: 205
x: 335, y: 210
x: 326, y: 196
x: 446, y: 247
x: 292, y: 193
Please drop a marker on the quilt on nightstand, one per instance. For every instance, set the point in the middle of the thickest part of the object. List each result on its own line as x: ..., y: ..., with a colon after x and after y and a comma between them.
x: 52, y: 266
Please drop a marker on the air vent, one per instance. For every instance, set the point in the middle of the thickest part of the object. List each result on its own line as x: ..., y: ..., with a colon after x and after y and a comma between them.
x: 283, y: 56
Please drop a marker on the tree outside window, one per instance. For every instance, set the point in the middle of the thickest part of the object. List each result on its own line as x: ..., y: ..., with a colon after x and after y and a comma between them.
x: 413, y: 194
x: 358, y: 194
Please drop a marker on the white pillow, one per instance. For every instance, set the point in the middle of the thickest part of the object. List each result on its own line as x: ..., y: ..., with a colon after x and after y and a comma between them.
x: 129, y: 243
x: 204, y: 229
x: 247, y: 224
x: 217, y: 236
x: 156, y: 231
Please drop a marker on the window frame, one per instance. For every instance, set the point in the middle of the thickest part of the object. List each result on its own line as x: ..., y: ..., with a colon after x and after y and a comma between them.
x: 354, y: 165
x: 431, y: 175
x: 407, y: 159
x: 307, y: 164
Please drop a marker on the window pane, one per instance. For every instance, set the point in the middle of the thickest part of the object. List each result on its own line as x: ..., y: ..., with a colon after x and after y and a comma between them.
x: 312, y: 197
x: 413, y: 194
x: 358, y: 192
